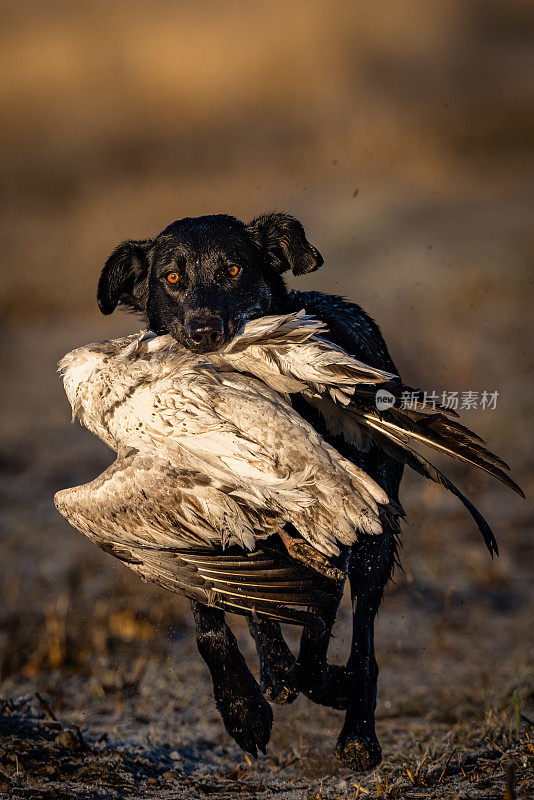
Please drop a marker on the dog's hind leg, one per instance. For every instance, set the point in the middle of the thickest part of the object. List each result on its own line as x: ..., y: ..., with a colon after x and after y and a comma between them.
x: 246, y: 714
x: 277, y: 662
x: 322, y: 682
x: 281, y: 676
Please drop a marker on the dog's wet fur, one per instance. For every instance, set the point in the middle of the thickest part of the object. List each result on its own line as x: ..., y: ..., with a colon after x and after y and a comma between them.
x: 199, y: 280
x: 203, y: 252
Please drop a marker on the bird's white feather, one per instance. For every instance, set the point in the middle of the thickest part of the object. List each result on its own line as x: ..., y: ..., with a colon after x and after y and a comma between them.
x: 198, y: 413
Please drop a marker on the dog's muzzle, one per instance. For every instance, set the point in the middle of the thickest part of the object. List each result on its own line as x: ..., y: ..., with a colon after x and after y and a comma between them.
x: 205, y: 333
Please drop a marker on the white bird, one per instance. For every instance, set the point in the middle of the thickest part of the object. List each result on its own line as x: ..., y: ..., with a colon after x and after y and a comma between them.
x: 211, y: 455
x: 208, y: 458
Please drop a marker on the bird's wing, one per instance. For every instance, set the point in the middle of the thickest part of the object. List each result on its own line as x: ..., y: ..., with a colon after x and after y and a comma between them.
x: 343, y: 390
x: 289, y: 354
x: 264, y: 584
x: 141, y: 498
x: 237, y: 430
x: 285, y: 463
x: 395, y: 429
x: 243, y: 434
x: 169, y: 526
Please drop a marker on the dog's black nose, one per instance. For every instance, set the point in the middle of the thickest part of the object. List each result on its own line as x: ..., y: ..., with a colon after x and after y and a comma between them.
x: 206, y: 333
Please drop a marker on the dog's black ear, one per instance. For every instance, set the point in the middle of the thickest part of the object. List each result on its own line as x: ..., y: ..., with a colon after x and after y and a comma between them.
x: 282, y: 241
x: 124, y: 277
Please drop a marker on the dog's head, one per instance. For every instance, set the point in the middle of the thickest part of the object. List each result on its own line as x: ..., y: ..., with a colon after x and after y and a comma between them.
x: 203, y: 277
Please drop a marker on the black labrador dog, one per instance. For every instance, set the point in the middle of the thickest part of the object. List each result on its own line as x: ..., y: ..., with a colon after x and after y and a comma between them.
x: 200, y: 280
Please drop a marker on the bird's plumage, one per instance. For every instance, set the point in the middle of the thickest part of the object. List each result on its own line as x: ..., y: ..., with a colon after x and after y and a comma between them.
x: 150, y: 394
x: 147, y: 513
x: 211, y: 455
x: 349, y: 410
x: 210, y: 458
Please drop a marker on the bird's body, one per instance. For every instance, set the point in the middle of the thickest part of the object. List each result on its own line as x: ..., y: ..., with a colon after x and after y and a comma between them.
x: 209, y: 458
x: 254, y: 457
x: 211, y: 455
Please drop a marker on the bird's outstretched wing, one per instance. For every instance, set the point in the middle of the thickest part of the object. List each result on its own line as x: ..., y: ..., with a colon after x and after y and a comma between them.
x: 263, y: 584
x: 142, y: 499
x: 167, y: 525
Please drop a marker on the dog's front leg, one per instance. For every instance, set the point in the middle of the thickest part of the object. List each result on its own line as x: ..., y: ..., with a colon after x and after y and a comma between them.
x: 370, y: 568
x: 246, y: 714
x: 282, y: 677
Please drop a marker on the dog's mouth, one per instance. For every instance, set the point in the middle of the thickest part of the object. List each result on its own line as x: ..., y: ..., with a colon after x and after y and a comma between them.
x: 203, y: 335
x: 208, y: 332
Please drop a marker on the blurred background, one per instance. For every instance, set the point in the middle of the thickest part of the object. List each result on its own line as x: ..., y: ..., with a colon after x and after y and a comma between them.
x: 401, y: 134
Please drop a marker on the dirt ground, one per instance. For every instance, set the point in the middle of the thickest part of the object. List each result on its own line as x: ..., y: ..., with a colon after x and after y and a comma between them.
x: 401, y: 135
x: 105, y: 696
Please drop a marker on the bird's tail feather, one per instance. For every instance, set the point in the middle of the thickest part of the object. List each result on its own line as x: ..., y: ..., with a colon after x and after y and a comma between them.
x: 444, y: 435
x: 399, y: 448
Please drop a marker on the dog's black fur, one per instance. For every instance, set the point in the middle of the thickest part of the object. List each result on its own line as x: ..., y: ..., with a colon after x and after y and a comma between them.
x: 201, y: 252
x: 204, y: 306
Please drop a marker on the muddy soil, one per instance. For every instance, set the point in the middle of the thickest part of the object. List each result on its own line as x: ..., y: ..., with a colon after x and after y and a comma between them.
x: 105, y: 696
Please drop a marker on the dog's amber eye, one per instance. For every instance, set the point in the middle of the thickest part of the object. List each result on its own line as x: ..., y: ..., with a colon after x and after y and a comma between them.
x: 173, y: 277
x: 234, y: 270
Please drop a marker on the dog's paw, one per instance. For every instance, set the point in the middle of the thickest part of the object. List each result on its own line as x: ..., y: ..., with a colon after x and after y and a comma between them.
x: 333, y: 691
x: 246, y: 714
x: 360, y: 753
x: 279, y: 684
